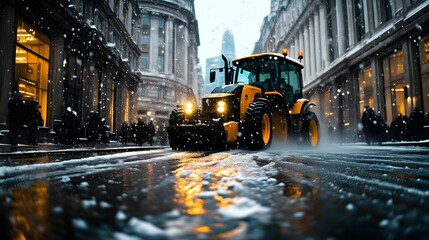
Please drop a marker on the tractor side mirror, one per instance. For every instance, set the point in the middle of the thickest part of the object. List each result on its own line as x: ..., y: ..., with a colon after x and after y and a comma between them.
x: 229, y: 76
x: 212, y: 76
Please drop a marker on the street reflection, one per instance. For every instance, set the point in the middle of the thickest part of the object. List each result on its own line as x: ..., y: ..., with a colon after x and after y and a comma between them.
x: 300, y: 205
x: 202, y: 189
x: 29, y: 212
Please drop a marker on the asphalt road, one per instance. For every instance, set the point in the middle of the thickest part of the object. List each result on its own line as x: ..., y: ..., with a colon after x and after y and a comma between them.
x: 337, y: 192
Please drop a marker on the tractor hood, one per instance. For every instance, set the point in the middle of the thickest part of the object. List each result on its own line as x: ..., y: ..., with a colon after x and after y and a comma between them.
x: 231, y: 89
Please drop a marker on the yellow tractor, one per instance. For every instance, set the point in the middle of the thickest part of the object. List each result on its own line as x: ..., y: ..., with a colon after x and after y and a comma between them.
x: 260, y: 102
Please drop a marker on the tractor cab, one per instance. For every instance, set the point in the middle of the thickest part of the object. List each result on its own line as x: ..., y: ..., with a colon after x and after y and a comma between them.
x: 272, y: 72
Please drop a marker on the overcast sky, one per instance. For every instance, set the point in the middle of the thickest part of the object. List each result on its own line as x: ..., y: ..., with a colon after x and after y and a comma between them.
x: 242, y: 17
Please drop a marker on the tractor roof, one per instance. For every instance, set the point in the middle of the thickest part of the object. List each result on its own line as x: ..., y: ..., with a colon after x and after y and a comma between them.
x: 262, y: 55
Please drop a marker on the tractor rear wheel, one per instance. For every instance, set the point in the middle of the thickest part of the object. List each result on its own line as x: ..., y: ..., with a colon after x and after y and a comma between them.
x: 312, y: 129
x: 258, y: 126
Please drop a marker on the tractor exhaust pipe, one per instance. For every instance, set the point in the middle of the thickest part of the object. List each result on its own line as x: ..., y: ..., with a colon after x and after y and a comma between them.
x: 226, y: 69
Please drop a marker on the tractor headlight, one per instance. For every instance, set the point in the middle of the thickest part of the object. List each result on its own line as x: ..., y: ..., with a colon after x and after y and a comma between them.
x: 221, y: 107
x: 189, y: 108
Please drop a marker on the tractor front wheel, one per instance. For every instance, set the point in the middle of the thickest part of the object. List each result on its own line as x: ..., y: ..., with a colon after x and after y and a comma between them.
x: 312, y: 129
x: 258, y: 126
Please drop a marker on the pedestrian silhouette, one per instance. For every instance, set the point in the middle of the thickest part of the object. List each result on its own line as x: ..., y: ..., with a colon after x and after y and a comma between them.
x: 416, y: 124
x: 399, y: 128
x: 379, y: 129
x: 93, y: 126
x: 150, y: 132
x: 124, y: 133
x: 71, y: 127
x: 141, y: 131
x: 134, y: 132
x: 33, y: 119
x: 15, y: 117
x: 368, y: 118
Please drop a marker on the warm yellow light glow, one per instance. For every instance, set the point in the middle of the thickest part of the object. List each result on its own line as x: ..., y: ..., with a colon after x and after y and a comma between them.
x: 189, y: 108
x: 203, y: 229
x: 285, y: 52
x: 221, y: 107
x: 21, y: 59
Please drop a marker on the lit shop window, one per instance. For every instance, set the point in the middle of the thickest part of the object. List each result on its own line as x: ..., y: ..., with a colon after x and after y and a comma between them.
x: 395, y: 89
x: 366, y: 95
x: 424, y: 68
x: 425, y: 52
x: 32, y: 65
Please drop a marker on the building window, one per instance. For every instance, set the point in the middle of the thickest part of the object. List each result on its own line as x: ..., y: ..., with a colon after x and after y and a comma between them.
x: 385, y: 10
x: 32, y: 65
x: 180, y: 50
x: 327, y: 106
x: 359, y: 19
x: 394, y: 84
x: 116, y: 7
x: 366, y: 96
x: 145, y: 42
x: 125, y: 11
x: 161, y: 44
x: 332, y: 29
x: 424, y: 66
x: 144, y: 61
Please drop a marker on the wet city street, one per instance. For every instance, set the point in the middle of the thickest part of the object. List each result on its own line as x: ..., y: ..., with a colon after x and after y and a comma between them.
x: 340, y: 192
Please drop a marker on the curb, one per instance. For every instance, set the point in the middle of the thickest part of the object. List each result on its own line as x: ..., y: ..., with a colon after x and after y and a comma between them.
x: 21, y: 151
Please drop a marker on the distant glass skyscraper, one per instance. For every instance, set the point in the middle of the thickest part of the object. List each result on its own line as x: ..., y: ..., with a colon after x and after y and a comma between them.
x: 228, y: 49
x: 228, y: 46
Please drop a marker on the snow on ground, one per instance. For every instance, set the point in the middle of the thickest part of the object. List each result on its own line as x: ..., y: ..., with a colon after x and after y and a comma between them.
x: 231, y: 185
x: 88, y: 165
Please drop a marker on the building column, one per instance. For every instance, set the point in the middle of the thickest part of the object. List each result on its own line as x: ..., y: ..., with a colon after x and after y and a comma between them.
x: 301, y: 44
x: 186, y: 58
x: 153, y: 47
x: 368, y: 15
x: 297, y: 46
x: 7, y: 59
x: 351, y: 22
x: 340, y: 27
x: 307, y: 68
x: 57, y: 72
x: 312, y: 47
x: 324, y: 37
x: 169, y: 45
x: 409, y: 78
x: 317, y: 53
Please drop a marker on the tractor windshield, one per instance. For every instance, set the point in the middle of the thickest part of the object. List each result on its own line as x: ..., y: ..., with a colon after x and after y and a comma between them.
x: 271, y: 73
x: 260, y: 72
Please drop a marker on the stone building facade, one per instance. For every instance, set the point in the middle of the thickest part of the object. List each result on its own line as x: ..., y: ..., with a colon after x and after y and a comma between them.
x: 356, y: 53
x: 168, y: 68
x: 77, y: 53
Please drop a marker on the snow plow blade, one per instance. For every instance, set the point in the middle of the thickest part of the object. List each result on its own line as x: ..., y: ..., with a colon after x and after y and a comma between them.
x: 197, y: 137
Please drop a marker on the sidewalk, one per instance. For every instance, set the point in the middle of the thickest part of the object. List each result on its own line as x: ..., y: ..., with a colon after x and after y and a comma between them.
x: 51, y: 148
x: 423, y: 143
